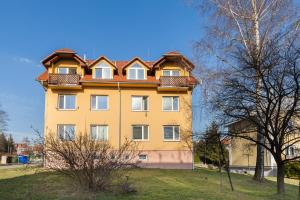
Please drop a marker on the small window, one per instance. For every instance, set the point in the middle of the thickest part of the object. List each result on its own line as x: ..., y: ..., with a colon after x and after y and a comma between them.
x: 170, y: 103
x: 103, y: 73
x: 140, y: 132
x: 66, y: 70
x: 171, y: 133
x: 143, y: 157
x: 139, y: 103
x: 99, y: 102
x: 66, y: 131
x: 171, y: 73
x: 99, y: 132
x: 67, y: 102
x: 136, y: 72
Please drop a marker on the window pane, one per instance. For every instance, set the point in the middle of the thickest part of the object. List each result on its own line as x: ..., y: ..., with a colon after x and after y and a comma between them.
x: 63, y: 70
x: 131, y: 74
x: 145, y: 132
x: 60, y: 130
x: 70, y: 101
x: 168, y: 133
x: 166, y: 73
x: 102, y: 102
x: 61, y: 102
x: 167, y: 103
x: 98, y: 73
x: 176, y: 132
x: 141, y: 73
x: 94, y: 132
x: 106, y: 73
x: 72, y: 70
x: 145, y: 103
x: 175, y: 103
x: 69, y: 132
x: 136, y: 103
x: 102, y: 133
x: 137, y: 133
x: 175, y: 73
x: 93, y: 102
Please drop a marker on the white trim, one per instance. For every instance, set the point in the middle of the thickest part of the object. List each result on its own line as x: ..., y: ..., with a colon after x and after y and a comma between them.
x: 171, y: 72
x: 141, y: 125
x: 64, y: 104
x: 143, y: 155
x: 66, y: 67
x: 136, y: 72
x: 142, y: 105
x: 97, y: 109
x: 173, y: 131
x: 172, y: 104
x: 105, y: 67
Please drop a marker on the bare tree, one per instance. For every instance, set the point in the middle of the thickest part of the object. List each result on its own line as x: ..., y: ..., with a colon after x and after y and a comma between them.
x: 275, y: 109
x: 91, y: 163
x: 249, y: 24
x: 3, y: 120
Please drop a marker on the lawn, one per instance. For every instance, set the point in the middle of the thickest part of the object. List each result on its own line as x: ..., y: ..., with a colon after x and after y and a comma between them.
x: 201, y: 184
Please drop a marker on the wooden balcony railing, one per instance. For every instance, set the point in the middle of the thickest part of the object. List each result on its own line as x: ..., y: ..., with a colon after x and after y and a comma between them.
x: 173, y: 81
x: 63, y: 79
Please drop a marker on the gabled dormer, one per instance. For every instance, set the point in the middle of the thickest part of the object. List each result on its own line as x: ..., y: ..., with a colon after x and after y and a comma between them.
x: 102, y: 68
x: 136, y: 69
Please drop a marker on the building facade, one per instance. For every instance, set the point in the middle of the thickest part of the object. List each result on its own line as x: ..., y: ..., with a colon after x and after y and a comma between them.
x: 148, y: 102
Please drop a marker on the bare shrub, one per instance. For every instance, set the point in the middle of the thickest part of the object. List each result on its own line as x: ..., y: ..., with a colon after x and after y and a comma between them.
x: 93, y: 164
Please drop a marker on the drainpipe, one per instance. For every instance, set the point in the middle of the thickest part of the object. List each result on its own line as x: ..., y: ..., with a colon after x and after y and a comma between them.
x: 120, y: 109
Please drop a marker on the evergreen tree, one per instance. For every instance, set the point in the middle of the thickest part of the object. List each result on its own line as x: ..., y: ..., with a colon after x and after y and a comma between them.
x: 3, y: 143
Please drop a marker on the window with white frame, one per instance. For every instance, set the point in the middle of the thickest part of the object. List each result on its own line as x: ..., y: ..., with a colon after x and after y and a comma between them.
x: 140, y: 132
x: 291, y: 151
x: 139, y: 103
x: 136, y: 72
x: 99, y: 102
x: 99, y: 132
x: 143, y: 157
x: 171, y: 73
x: 66, y: 70
x: 67, y: 102
x: 171, y: 103
x: 103, y: 71
x: 171, y: 133
x: 66, y: 131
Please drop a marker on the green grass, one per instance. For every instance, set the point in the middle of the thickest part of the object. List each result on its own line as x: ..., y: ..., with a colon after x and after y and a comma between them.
x: 201, y: 184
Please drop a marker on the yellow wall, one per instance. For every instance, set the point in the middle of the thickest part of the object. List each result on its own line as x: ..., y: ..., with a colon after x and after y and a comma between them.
x: 66, y: 63
x: 83, y: 117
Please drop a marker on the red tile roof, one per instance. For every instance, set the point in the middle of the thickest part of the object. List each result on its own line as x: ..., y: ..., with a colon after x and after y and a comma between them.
x: 64, y: 50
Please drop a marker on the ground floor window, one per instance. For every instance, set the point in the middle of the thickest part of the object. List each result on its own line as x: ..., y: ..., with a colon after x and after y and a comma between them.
x: 171, y: 133
x: 99, y: 132
x: 143, y: 157
x: 140, y: 132
x: 66, y: 131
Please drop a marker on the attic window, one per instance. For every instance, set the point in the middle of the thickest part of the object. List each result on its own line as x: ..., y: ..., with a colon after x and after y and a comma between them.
x: 103, y: 71
x: 136, y: 72
x: 170, y: 72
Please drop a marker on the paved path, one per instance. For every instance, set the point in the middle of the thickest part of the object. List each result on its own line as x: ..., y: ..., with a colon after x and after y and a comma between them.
x: 16, y: 166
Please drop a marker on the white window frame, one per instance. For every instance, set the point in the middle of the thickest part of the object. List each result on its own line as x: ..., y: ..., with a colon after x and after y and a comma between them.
x: 141, y: 103
x: 171, y: 72
x: 64, y: 107
x: 97, y: 107
x: 103, y: 67
x: 172, y: 110
x: 64, y: 125
x: 143, y: 132
x: 143, y: 159
x: 173, y: 129
x: 97, y: 129
x: 136, y: 72
x: 68, y: 69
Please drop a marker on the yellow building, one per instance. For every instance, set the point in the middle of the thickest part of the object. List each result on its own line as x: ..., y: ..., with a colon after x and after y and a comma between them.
x: 148, y: 102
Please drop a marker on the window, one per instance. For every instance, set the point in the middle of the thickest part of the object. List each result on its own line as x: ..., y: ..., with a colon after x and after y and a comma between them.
x: 136, y: 72
x: 67, y: 102
x: 66, y: 70
x: 143, y: 157
x: 99, y: 102
x: 139, y: 103
x: 140, y: 132
x: 170, y: 103
x: 291, y: 151
x: 170, y: 72
x: 99, y: 132
x: 66, y: 131
x: 171, y: 133
x: 103, y: 71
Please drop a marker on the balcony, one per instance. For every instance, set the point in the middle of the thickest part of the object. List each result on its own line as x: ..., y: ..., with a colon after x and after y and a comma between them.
x: 173, y: 83
x: 63, y: 79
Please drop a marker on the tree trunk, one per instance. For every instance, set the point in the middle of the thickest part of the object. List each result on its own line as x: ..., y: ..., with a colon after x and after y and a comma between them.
x: 259, y: 167
x: 280, y: 178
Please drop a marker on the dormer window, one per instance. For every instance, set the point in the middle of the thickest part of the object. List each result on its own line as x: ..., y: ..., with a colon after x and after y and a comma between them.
x: 103, y: 71
x: 170, y: 72
x: 136, y: 72
x: 66, y: 70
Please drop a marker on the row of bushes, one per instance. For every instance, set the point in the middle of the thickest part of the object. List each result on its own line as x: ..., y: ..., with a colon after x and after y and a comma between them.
x: 292, y: 170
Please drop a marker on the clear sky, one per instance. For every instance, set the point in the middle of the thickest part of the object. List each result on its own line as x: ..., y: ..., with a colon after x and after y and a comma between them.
x: 118, y: 29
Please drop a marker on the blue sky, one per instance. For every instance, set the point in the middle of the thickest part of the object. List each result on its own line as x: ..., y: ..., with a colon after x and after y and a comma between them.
x: 121, y: 30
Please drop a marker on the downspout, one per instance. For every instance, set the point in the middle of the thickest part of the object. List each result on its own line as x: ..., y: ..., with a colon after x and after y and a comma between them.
x: 120, y: 116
